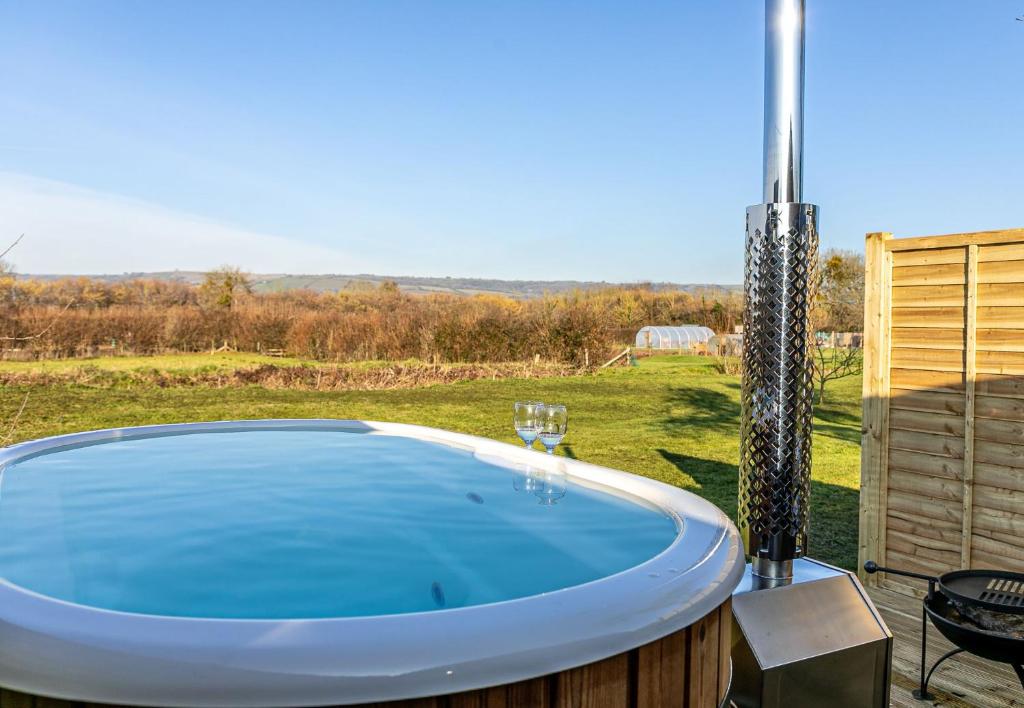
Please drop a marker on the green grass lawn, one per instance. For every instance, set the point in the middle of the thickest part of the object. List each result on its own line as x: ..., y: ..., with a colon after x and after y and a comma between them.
x: 671, y: 418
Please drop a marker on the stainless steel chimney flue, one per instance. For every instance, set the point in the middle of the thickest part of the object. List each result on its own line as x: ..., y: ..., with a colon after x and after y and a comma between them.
x: 781, y: 254
x: 783, y: 100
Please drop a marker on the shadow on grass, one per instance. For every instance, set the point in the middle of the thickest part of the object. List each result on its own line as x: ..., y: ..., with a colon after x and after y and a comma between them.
x: 715, y: 411
x: 837, y: 423
x: 716, y: 480
x: 829, y: 414
x: 839, y: 432
x: 705, y: 409
x: 834, y: 509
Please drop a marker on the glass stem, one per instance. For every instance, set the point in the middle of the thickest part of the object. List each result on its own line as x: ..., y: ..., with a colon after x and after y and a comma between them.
x: 551, y: 451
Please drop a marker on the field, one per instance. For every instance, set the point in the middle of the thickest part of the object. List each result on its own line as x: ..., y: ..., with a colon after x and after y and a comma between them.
x: 674, y: 419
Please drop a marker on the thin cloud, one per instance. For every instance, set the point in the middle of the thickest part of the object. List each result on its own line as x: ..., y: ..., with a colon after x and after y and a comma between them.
x: 70, y: 229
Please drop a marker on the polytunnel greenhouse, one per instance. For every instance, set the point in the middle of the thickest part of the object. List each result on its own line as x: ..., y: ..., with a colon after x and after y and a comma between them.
x: 680, y: 337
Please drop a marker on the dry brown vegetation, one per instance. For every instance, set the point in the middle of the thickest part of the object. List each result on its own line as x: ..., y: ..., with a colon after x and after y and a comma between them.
x: 303, y: 378
x: 83, y: 317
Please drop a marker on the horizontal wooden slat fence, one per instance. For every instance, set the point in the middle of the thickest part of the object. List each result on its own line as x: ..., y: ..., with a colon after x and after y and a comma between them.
x: 942, y: 457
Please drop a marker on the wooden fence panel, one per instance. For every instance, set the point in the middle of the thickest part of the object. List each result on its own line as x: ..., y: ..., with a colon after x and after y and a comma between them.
x: 942, y: 459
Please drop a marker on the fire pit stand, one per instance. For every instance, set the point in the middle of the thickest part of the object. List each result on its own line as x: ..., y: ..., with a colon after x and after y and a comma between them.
x: 960, y: 604
x: 921, y: 692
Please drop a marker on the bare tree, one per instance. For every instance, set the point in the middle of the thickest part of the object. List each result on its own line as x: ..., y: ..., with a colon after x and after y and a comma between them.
x: 13, y: 425
x: 7, y: 270
x: 839, y: 307
x: 5, y: 267
x: 833, y: 363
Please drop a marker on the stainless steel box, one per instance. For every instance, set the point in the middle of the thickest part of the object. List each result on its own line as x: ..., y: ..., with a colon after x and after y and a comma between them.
x: 818, y: 641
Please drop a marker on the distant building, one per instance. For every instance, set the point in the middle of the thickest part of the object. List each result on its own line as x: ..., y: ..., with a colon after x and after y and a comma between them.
x: 679, y: 337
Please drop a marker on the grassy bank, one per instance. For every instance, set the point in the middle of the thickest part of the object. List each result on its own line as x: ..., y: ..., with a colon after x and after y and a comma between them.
x: 245, y: 370
x: 672, y: 418
x: 220, y: 361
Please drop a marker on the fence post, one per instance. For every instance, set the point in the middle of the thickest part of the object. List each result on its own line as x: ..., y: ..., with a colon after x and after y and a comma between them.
x: 970, y: 375
x: 874, y: 430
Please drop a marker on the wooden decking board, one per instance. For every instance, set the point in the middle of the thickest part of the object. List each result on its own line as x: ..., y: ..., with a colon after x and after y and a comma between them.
x: 964, y: 681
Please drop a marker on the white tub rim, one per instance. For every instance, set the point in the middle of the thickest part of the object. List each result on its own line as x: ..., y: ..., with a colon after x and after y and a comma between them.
x: 541, y: 633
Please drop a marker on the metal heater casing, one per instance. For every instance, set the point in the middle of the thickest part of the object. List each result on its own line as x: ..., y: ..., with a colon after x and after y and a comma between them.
x: 817, y: 642
x: 775, y: 453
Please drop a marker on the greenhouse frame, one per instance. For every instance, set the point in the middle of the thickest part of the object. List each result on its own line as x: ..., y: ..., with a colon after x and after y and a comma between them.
x: 673, y: 337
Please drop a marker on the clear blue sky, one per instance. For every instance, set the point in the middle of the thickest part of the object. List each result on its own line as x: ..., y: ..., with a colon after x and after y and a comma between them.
x: 589, y: 140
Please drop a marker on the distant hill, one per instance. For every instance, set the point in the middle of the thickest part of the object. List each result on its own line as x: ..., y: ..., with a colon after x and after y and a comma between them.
x: 277, y: 282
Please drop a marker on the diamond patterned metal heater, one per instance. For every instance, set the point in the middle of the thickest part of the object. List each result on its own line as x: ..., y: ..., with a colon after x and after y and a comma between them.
x: 782, y: 251
x: 775, y: 458
x: 806, y: 634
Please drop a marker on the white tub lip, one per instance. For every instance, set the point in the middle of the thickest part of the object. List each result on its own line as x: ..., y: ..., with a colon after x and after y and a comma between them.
x: 558, y: 629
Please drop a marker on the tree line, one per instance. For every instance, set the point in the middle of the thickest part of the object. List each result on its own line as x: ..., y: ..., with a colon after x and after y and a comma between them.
x: 83, y: 316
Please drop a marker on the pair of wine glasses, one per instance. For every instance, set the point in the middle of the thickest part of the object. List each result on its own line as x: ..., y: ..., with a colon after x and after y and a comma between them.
x: 549, y: 487
x: 546, y: 422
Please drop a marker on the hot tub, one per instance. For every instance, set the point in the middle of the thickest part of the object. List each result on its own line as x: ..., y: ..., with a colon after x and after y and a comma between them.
x: 298, y: 562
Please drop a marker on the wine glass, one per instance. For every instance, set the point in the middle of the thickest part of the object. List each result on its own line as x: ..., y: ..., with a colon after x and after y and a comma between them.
x: 554, y: 422
x: 553, y: 488
x: 527, y: 480
x: 526, y: 419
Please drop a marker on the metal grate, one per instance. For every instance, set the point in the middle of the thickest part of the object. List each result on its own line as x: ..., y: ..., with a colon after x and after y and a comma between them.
x: 1001, y: 591
x: 775, y: 454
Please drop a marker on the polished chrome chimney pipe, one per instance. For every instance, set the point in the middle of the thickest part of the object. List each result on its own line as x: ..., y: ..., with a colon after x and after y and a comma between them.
x: 783, y: 100
x: 782, y: 247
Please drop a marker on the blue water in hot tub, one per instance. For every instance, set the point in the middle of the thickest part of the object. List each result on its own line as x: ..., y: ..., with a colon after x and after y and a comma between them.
x: 304, y: 524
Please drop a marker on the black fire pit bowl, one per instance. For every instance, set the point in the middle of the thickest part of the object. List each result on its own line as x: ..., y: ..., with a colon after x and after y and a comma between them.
x: 987, y: 645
